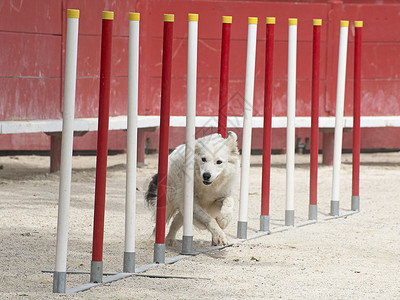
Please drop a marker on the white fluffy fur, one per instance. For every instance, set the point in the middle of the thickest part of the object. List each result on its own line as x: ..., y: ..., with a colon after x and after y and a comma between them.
x: 213, y: 204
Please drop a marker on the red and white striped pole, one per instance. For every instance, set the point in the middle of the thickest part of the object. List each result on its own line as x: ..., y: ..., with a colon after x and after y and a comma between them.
x: 266, y: 165
x: 224, y: 77
x: 313, y: 208
x: 355, y: 201
x: 96, y: 272
x: 159, y: 246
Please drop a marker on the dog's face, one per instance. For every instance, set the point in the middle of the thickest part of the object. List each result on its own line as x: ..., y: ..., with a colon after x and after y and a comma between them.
x: 212, y: 154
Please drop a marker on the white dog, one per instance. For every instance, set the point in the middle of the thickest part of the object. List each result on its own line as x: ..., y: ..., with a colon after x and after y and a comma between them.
x: 216, y: 165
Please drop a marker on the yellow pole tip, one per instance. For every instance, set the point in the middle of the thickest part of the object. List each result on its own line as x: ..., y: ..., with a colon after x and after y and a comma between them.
x: 226, y: 19
x: 292, y: 21
x: 108, y: 15
x: 358, y: 23
x: 344, y: 23
x: 169, y: 17
x: 317, y: 22
x: 134, y: 16
x: 270, y: 20
x: 73, y: 13
x: 193, y: 17
x: 252, y: 20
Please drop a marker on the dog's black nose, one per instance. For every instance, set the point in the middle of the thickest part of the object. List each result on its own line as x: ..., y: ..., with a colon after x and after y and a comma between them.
x: 206, y: 176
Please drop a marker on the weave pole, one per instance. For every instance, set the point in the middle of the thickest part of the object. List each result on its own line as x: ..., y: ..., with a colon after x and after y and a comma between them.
x: 187, y: 240
x: 355, y: 200
x: 131, y: 146
x: 159, y: 245
x: 267, y: 128
x: 224, y: 76
x: 337, y: 150
x: 71, y: 54
x: 96, y: 270
x: 291, y: 113
x: 247, y: 126
x: 313, y: 208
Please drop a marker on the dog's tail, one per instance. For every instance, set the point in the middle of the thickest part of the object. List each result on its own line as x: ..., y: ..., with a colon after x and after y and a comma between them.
x: 151, y: 194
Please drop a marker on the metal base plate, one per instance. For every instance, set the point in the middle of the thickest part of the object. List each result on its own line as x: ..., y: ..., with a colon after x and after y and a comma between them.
x: 59, y: 282
x: 96, y: 271
x: 334, y: 208
x: 313, y: 212
x: 264, y: 223
x: 355, y: 203
x: 289, y: 218
x: 187, y: 245
x: 159, y: 253
x: 129, y: 262
x: 242, y: 230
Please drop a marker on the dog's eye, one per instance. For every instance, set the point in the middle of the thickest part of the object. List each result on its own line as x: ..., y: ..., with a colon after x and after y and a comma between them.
x: 219, y: 162
x: 203, y: 159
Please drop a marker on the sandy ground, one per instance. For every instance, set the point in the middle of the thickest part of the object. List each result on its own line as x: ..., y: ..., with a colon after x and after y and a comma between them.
x: 355, y: 257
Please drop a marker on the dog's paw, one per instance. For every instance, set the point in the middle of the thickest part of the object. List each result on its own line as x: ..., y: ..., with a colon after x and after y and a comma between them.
x: 219, y: 240
x: 170, y: 242
x: 226, y: 214
x: 223, y: 220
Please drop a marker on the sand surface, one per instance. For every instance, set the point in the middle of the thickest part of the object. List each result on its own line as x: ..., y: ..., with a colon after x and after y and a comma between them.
x: 354, y: 257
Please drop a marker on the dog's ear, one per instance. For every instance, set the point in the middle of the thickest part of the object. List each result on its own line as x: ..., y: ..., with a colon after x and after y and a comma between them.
x: 232, y: 135
x: 231, y: 142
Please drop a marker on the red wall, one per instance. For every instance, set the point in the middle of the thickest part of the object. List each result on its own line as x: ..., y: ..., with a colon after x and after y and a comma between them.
x: 32, y: 46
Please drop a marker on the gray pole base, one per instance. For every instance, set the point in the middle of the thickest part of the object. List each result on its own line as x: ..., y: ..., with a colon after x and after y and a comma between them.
x: 96, y: 271
x: 159, y: 253
x: 242, y: 230
x: 187, y: 245
x: 334, y: 208
x: 129, y: 262
x: 264, y: 223
x: 355, y: 203
x: 289, y: 217
x: 313, y: 212
x: 59, y: 282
